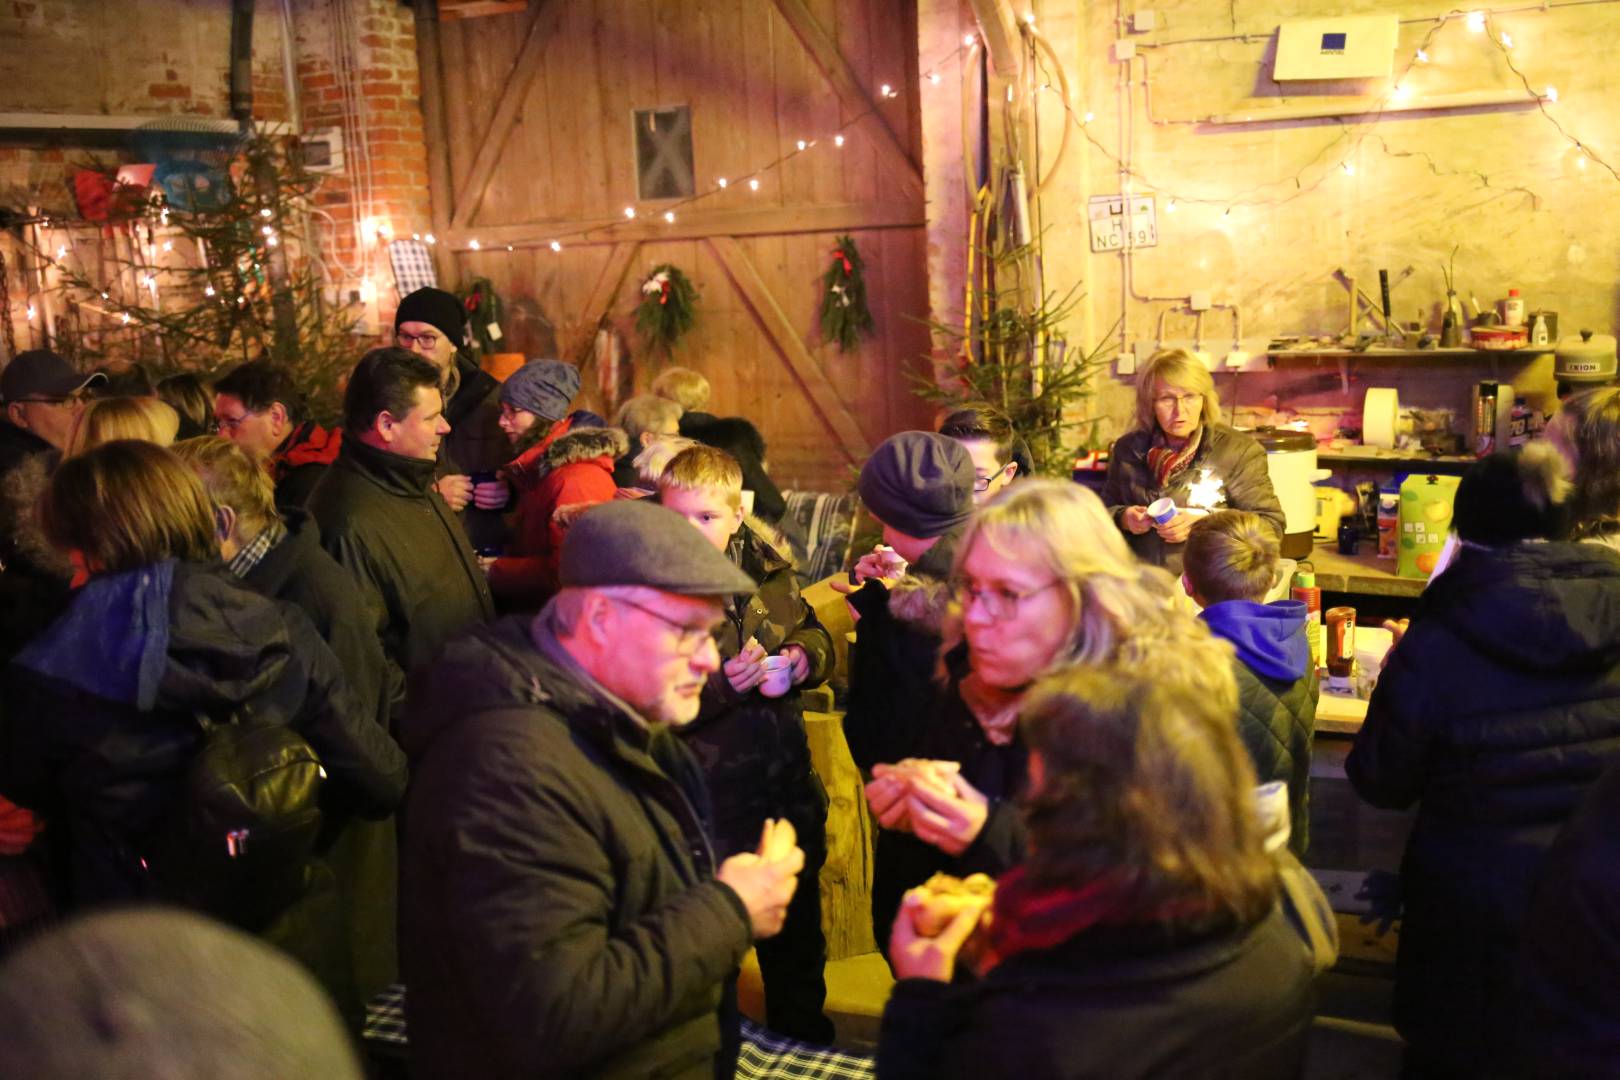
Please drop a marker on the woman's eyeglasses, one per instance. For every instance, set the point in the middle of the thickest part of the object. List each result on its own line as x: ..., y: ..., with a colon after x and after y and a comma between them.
x: 999, y: 603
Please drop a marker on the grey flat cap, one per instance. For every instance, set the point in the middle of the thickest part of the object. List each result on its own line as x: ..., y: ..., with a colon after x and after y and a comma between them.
x: 636, y: 542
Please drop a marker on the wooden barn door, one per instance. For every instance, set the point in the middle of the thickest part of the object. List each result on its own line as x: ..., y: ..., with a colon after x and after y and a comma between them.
x: 537, y: 109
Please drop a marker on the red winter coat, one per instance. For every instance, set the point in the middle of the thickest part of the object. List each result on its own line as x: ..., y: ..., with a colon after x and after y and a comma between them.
x: 566, y: 470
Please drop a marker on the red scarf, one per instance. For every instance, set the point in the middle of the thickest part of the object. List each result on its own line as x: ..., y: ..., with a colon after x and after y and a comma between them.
x: 525, y: 469
x: 1165, y: 462
x: 1026, y: 918
x: 310, y: 444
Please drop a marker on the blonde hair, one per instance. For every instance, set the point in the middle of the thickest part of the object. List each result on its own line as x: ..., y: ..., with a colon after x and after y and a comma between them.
x: 1230, y: 555
x: 1122, y: 610
x: 1181, y: 369
x: 704, y: 468
x: 231, y: 478
x: 148, y: 419
x: 684, y: 387
x: 1146, y: 783
x: 129, y: 504
x: 1590, y: 421
x: 647, y: 412
x: 651, y: 461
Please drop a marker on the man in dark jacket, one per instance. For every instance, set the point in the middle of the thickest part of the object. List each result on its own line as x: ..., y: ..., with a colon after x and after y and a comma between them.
x: 561, y: 910
x: 43, y: 398
x: 433, y: 324
x: 1227, y: 569
x: 749, y: 734
x: 257, y: 407
x: 919, y: 486
x: 384, y: 523
x: 1495, y: 713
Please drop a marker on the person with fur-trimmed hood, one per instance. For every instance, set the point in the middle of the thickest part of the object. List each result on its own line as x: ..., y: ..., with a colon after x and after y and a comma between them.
x: 749, y: 734
x: 558, y: 465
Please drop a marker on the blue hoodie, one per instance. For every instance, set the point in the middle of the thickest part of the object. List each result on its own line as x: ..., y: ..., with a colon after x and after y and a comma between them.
x: 1269, y: 638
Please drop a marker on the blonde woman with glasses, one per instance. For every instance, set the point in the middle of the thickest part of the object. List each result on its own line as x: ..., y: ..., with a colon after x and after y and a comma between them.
x: 1179, y: 441
x: 1043, y: 580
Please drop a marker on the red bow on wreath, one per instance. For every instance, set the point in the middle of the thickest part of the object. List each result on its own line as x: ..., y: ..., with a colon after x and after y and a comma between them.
x: 663, y: 292
x: 473, y: 300
x: 838, y: 253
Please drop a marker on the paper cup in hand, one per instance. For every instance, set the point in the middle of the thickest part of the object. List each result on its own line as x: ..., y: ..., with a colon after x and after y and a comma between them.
x: 1162, y: 511
x: 778, y: 676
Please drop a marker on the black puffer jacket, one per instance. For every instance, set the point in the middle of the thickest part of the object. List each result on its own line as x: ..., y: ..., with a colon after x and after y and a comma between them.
x: 33, y: 576
x: 100, y: 719
x: 752, y: 748
x: 1236, y: 459
x: 895, y: 659
x: 475, y: 444
x: 559, y: 915
x: 381, y: 520
x: 1113, y: 1003
x: 1495, y: 714
x: 1569, y: 997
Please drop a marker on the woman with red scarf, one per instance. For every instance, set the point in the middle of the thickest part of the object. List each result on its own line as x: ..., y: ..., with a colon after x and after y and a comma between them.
x: 1180, y: 450
x: 1142, y: 936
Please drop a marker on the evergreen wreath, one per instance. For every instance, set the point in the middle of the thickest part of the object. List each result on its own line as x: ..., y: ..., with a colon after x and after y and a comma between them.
x: 666, y: 311
x: 845, y: 315
x: 483, y: 306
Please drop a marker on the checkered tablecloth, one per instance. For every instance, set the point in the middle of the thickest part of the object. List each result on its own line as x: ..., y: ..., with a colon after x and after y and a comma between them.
x: 413, y: 266
x: 765, y: 1055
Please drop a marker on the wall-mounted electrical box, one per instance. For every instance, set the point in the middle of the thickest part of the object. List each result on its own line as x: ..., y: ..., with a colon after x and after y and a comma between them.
x: 1346, y: 47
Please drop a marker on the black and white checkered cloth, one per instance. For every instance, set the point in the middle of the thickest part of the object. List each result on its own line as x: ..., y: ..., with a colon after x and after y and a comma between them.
x: 413, y: 266
x: 765, y: 1055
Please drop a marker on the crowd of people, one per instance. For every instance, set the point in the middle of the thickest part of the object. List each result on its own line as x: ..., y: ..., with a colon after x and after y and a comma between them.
x: 520, y: 692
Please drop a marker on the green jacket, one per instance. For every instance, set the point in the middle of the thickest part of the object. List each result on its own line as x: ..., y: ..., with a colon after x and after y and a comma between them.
x: 559, y: 914
x: 1277, y: 721
x: 381, y: 520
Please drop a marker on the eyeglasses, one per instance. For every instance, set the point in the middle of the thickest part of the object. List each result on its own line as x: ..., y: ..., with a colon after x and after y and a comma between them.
x: 999, y: 603
x: 1184, y: 402
x: 411, y: 341
x: 691, y: 639
x: 58, y: 402
x: 231, y: 423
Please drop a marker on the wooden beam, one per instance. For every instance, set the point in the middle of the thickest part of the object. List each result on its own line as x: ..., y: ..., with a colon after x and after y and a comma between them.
x: 601, y: 298
x: 779, y: 329
x: 697, y: 225
x: 998, y: 25
x: 543, y: 23
x: 430, y: 63
x: 853, y: 97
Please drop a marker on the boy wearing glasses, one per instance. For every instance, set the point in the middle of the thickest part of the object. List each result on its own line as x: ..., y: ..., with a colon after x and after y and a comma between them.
x: 749, y: 733
x: 1228, y: 568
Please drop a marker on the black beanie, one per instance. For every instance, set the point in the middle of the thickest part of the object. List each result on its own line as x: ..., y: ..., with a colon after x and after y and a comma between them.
x: 919, y: 483
x: 436, y: 308
x: 1512, y: 496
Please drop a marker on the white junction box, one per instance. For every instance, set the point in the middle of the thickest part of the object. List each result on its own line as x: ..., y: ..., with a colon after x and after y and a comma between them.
x: 1341, y: 47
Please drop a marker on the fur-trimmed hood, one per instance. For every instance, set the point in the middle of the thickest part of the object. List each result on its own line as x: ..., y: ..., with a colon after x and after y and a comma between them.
x: 570, y: 448
x: 22, y: 490
x: 922, y: 602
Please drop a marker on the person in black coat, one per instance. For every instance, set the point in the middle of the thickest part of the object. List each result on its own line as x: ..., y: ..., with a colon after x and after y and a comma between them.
x: 733, y: 434
x: 282, y: 558
x: 749, y: 734
x: 1495, y: 713
x: 562, y: 910
x: 1142, y: 936
x: 383, y: 521
x: 101, y: 716
x: 1044, y: 580
x: 1179, y: 441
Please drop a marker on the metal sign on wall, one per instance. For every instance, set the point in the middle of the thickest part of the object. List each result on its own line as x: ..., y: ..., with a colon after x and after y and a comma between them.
x: 1123, y: 221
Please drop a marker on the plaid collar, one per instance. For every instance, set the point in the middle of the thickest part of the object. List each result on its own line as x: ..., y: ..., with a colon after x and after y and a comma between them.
x: 243, y: 562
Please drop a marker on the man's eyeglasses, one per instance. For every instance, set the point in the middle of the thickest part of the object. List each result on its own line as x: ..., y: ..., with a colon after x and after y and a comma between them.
x: 691, y: 637
x: 411, y: 341
x: 70, y: 399
x: 231, y: 423
x: 999, y: 603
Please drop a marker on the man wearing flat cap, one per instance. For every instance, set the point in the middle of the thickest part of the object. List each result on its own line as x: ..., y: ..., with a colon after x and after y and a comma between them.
x: 919, y: 486
x: 561, y: 908
x: 433, y: 324
x: 43, y: 397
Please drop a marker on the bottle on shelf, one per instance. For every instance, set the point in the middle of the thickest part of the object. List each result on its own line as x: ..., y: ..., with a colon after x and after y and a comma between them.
x: 1513, y: 309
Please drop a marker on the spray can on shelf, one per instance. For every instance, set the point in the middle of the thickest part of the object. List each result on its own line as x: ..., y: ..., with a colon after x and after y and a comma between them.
x: 1303, y: 588
x: 1519, y: 423
x: 1389, y: 520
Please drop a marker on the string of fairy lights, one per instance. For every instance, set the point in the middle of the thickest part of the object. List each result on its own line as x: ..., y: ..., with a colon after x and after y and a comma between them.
x: 1351, y: 137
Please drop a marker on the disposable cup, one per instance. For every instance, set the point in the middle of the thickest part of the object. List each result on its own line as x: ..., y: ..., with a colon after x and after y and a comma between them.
x: 778, y: 676
x: 1162, y: 510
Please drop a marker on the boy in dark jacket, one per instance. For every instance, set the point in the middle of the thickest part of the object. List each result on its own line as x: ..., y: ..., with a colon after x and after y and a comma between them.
x: 749, y: 733
x: 1228, y: 567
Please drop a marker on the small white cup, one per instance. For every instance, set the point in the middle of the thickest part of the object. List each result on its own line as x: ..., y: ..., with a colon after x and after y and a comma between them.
x: 778, y: 676
x: 1162, y: 511
x: 748, y: 501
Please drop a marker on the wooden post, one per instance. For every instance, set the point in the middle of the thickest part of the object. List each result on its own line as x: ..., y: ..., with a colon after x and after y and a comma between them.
x: 846, y: 878
x: 435, y: 129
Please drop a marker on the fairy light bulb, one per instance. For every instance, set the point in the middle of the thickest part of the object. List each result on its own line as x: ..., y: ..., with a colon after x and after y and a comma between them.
x: 474, y: 244
x: 1088, y: 118
x: 1552, y: 94
x: 1507, y: 41
x: 61, y: 252
x: 266, y: 212
x: 168, y: 245
x: 753, y: 185
x: 30, y: 312
x: 1476, y: 21
x: 1170, y: 207
x: 208, y: 290
x: 1422, y: 57
x: 886, y: 91
x: 838, y: 140
x: 934, y: 78
x: 272, y: 240
x: 556, y: 245
x: 267, y: 230
x: 430, y: 239
x: 669, y: 216
x: 1349, y: 169
x: 125, y: 319
x: 969, y: 40
x: 802, y: 144
x: 629, y: 212
x: 1401, y: 92
x: 723, y: 182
